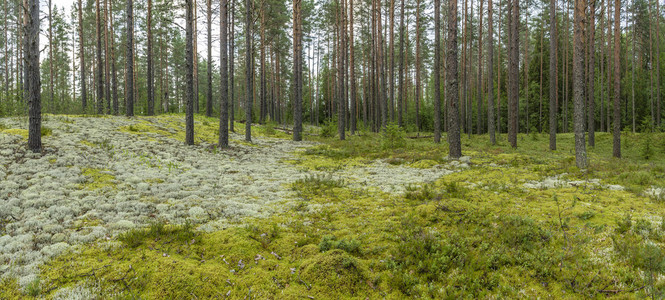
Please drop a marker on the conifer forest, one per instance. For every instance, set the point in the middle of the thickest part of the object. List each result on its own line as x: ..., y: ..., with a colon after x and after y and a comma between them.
x: 332, y: 149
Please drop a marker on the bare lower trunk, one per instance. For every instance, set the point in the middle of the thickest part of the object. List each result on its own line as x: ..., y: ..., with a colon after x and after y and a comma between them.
x: 578, y: 85
x: 33, y: 83
x: 452, y: 96
x: 224, y: 81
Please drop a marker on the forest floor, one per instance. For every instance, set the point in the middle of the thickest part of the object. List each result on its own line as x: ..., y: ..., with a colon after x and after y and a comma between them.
x: 121, y: 208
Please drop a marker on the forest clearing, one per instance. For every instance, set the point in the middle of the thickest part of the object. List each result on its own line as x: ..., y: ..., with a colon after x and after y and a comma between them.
x: 121, y: 208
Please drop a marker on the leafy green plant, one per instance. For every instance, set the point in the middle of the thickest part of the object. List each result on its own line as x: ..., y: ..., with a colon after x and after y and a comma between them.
x: 45, y: 131
x: 623, y: 225
x: 329, y: 129
x: 329, y: 242
x: 393, y: 137
x: 159, y: 231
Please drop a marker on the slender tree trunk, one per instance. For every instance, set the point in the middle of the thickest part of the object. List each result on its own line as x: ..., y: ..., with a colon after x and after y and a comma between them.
x: 129, y: 82
x: 658, y: 16
x: 498, y: 81
x: 633, y: 67
x: 352, y: 72
x: 33, y: 87
x: 391, y: 55
x: 151, y: 75
x: 114, y: 77
x: 418, y: 89
x: 223, y: 63
x: 232, y: 17
x: 437, y: 57
x: 491, y: 126
x: 540, y: 105
x: 107, y: 83
x: 297, y: 71
x: 189, y: 62
x: 591, y: 108
x: 553, y: 76
x: 50, y: 51
x: 223, y: 67
x: 84, y: 101
x: 249, y: 65
x: 513, y: 80
x: 526, y: 77
x: 195, y: 55
x: 263, y: 96
x: 402, y: 66
x: 480, y: 70
x: 452, y: 90
x: 463, y: 92
x: 616, y: 124
x: 100, y: 62
x: 578, y: 84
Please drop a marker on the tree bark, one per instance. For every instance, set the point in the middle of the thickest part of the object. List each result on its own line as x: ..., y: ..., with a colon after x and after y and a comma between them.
x: 480, y: 70
x: 352, y: 72
x: 418, y: 90
x: 209, y: 73
x: 84, y: 98
x: 151, y: 73
x: 513, y: 80
x: 223, y: 63
x: 249, y: 66
x: 232, y: 17
x: 491, y: 126
x: 297, y: 71
x: 114, y: 77
x: 189, y: 79
x: 591, y: 108
x: 616, y: 124
x: 33, y: 86
x: 391, y: 55
x: 50, y: 50
x: 100, y: 62
x: 129, y: 82
x: 578, y: 84
x: 553, y: 76
x: 454, y: 139
x: 437, y: 63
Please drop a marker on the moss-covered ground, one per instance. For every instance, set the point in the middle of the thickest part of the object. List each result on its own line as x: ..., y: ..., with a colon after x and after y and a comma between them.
x: 510, y: 223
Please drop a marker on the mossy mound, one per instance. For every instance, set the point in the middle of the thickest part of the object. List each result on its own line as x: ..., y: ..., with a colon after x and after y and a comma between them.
x: 333, y: 271
x: 424, y: 164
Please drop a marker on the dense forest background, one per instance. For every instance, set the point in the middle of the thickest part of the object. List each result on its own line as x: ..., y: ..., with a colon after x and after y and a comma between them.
x: 387, y: 49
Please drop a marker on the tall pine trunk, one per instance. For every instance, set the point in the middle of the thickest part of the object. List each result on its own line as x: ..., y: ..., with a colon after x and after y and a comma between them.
x: 437, y: 63
x: 297, y: 71
x: 209, y: 73
x: 249, y: 66
x: 129, y: 81
x: 151, y: 72
x: 553, y: 76
x: 189, y: 79
x: 452, y: 91
x: 513, y: 72
x: 84, y: 98
x: 591, y: 108
x: 33, y: 83
x: 223, y: 62
x: 578, y: 84
x: 491, y: 126
x: 100, y: 62
x: 616, y: 124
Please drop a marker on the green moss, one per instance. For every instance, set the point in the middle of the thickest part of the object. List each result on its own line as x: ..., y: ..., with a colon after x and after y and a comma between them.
x: 335, y: 273
x: 15, y: 131
x: 424, y: 164
x: 98, y: 179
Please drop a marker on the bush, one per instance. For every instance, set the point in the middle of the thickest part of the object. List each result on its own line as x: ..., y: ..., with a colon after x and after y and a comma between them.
x: 45, y: 131
x: 329, y: 129
x: 180, y: 233
x: 330, y: 242
x: 393, y: 137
